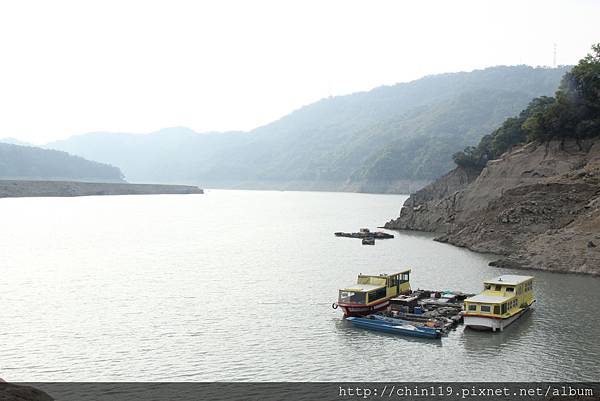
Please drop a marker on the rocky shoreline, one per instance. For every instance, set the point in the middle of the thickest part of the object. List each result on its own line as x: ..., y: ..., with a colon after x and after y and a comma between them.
x: 22, y: 188
x: 538, y: 207
x: 16, y: 392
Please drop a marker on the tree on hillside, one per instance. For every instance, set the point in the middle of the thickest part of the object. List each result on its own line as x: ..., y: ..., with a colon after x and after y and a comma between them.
x: 510, y: 133
x: 573, y: 113
x: 576, y: 111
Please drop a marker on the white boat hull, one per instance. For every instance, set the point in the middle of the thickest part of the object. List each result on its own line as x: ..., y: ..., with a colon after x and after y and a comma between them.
x: 488, y: 323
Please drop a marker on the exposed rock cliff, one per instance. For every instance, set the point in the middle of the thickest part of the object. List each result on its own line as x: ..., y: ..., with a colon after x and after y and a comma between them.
x: 538, y: 206
x: 433, y: 207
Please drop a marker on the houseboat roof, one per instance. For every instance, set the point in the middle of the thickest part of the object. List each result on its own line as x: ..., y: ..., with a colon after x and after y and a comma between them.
x: 384, y: 274
x: 361, y: 287
x: 508, y: 279
x: 487, y: 299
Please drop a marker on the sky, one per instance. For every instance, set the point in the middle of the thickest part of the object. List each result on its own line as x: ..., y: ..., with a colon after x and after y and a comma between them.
x: 70, y: 67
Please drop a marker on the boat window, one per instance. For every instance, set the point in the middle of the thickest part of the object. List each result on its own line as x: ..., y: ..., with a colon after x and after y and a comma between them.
x: 510, y: 289
x: 488, y: 287
x: 498, y: 288
x: 472, y: 307
x: 504, y: 308
x: 377, y: 294
x: 496, y: 309
x: 393, y: 281
x: 352, y: 297
x: 405, y: 278
x: 485, y: 308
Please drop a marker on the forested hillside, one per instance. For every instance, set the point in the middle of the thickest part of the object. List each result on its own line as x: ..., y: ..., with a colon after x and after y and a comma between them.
x: 530, y: 190
x: 574, y: 113
x: 384, y: 140
x: 31, y: 163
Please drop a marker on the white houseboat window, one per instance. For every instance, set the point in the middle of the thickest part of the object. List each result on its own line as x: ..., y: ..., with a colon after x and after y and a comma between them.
x: 472, y: 307
x: 510, y: 289
x: 485, y: 308
x: 496, y: 309
x: 498, y: 288
x: 504, y: 308
x: 488, y: 287
x: 404, y: 278
x: 352, y: 297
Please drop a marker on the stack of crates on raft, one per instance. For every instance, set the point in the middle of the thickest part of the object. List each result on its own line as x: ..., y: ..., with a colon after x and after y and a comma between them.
x: 440, y: 309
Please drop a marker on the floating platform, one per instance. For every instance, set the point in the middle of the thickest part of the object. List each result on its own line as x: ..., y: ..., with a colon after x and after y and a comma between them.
x: 420, y: 314
x: 438, y: 309
x: 365, y: 233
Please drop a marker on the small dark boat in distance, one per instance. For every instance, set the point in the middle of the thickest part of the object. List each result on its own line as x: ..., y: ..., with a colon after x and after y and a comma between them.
x: 394, y: 328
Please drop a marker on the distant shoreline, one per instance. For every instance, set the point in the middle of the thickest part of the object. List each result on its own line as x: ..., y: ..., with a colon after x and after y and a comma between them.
x: 25, y: 188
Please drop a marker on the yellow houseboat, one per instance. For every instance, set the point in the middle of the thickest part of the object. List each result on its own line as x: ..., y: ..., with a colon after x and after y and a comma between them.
x: 372, y: 293
x: 503, y: 300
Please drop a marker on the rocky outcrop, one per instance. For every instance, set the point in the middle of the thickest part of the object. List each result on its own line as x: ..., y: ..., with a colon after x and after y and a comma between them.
x: 538, y: 206
x: 21, y: 188
x: 15, y: 392
x: 433, y: 208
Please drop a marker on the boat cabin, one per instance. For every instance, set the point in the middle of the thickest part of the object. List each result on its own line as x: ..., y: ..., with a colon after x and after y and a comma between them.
x: 502, y: 297
x: 371, y: 289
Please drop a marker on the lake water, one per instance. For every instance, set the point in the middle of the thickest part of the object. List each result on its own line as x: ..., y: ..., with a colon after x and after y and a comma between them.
x: 238, y: 285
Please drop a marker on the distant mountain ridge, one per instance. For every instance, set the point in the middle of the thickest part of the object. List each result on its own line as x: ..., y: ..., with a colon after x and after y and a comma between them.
x: 15, y: 141
x: 384, y: 140
x: 31, y: 163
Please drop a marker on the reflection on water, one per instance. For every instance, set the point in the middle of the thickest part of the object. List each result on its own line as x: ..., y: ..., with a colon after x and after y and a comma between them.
x: 238, y: 285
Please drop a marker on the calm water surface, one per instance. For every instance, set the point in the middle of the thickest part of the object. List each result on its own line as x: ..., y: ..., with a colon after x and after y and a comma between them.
x: 238, y: 285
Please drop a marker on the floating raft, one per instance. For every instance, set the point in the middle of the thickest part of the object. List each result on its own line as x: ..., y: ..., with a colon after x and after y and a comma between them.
x: 439, y: 309
x: 365, y: 233
x: 422, y: 313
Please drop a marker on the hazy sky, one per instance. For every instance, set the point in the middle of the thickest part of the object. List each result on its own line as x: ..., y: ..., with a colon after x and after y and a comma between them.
x: 69, y: 67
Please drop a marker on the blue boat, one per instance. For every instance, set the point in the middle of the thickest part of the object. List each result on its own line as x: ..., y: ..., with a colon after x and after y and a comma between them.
x: 388, y: 327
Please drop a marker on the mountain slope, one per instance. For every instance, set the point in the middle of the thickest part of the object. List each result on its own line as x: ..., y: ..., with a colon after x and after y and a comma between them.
x: 530, y: 190
x: 538, y: 206
x: 14, y: 141
x: 31, y: 163
x: 370, y: 141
